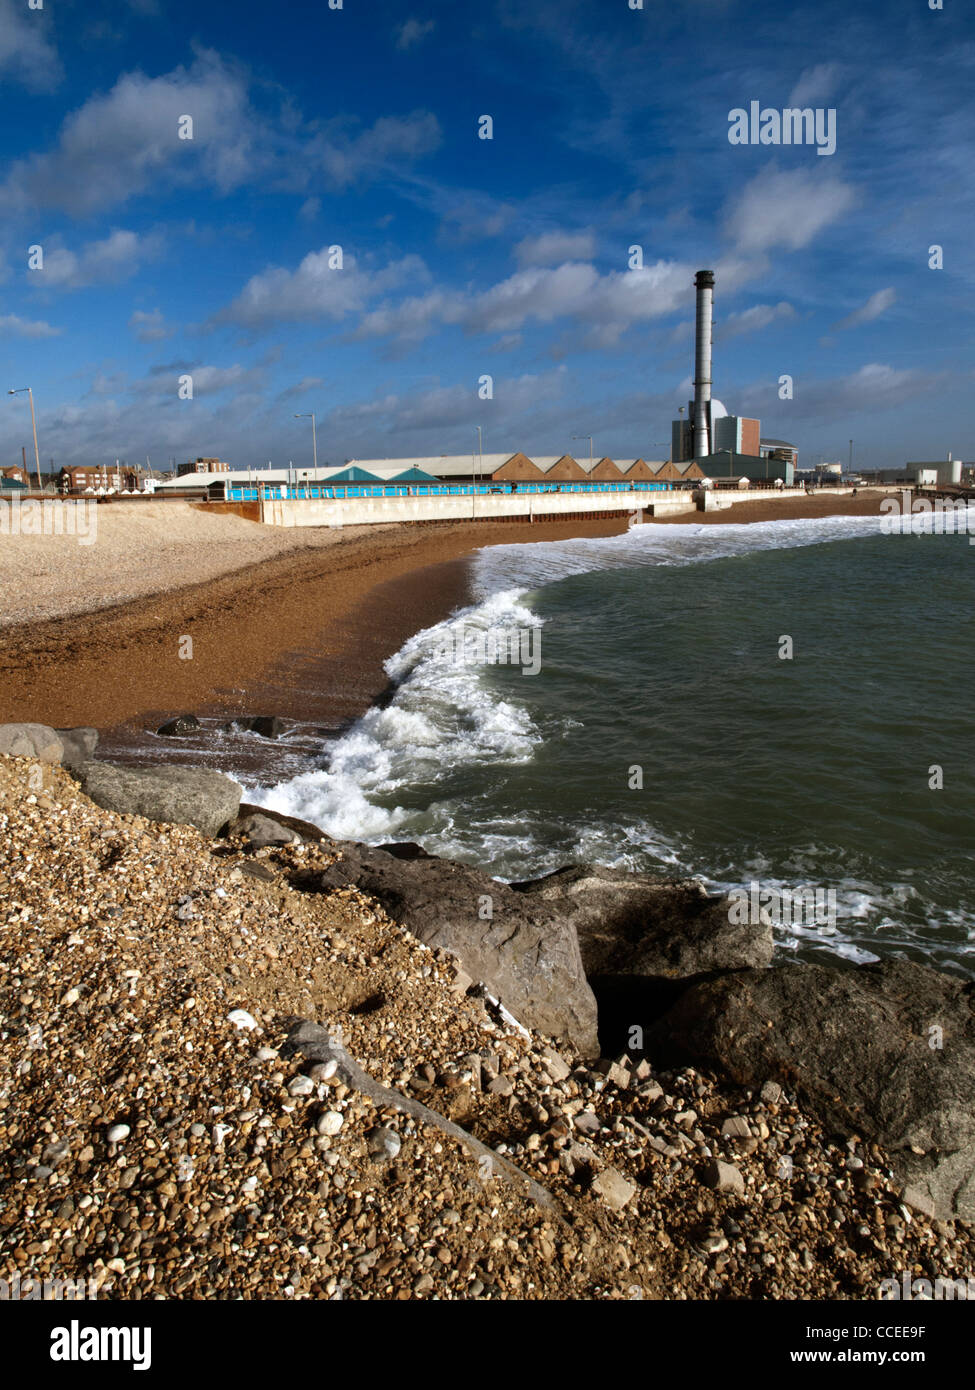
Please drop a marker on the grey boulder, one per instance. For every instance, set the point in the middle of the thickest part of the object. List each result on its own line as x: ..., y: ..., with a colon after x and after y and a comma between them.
x: 182, y: 724
x: 527, y: 958
x: 260, y: 831
x: 79, y: 745
x: 174, y: 795
x: 31, y: 741
x: 885, y: 1051
x: 278, y: 826
x: 636, y: 924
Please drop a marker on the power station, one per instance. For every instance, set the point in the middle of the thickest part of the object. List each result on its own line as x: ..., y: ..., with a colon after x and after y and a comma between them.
x: 723, y: 445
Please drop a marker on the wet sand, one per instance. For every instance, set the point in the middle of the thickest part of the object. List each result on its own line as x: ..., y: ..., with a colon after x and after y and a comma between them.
x: 302, y: 634
x: 789, y: 509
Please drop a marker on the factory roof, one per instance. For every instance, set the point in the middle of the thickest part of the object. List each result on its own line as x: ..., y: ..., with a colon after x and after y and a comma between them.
x: 460, y: 465
x: 413, y: 475
x: 777, y: 443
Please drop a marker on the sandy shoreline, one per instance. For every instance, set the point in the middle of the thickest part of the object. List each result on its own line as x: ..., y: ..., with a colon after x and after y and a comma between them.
x: 301, y: 628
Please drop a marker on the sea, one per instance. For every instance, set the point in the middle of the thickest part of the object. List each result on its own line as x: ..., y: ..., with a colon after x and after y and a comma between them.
x: 775, y: 709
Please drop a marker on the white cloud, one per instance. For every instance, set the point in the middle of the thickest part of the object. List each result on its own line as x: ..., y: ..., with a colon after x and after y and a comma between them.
x: 608, y: 304
x: 120, y: 144
x: 877, y: 304
x: 874, y: 387
x: 552, y: 248
x: 753, y: 320
x: 25, y: 54
x: 149, y: 328
x: 125, y: 143
x: 316, y: 291
x: 785, y: 208
x: 114, y: 258
x: 27, y: 328
x: 413, y: 31
x: 301, y: 388
x: 381, y: 147
x: 815, y: 85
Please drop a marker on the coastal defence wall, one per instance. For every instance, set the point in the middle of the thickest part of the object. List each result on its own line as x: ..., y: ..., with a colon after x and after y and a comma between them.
x: 527, y: 507
x: 363, y: 511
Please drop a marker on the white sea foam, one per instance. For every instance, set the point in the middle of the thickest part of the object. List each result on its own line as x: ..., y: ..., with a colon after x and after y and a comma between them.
x: 443, y: 714
x: 382, y: 777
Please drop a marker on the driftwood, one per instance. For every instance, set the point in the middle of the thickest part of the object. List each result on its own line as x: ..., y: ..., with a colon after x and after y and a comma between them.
x: 317, y: 1045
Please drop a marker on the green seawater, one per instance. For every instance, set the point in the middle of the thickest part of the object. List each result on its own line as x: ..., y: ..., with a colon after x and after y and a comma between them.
x: 668, y: 728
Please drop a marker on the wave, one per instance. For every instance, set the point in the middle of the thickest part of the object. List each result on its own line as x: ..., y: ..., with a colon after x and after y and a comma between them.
x: 443, y: 715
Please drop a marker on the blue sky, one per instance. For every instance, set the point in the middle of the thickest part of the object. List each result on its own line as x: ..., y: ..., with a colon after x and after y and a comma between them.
x: 461, y: 257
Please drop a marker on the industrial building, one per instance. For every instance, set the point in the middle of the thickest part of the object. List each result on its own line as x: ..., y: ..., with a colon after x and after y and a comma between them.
x: 203, y: 465
x: 780, y: 450
x: 721, y: 444
x: 500, y: 469
x: 943, y: 473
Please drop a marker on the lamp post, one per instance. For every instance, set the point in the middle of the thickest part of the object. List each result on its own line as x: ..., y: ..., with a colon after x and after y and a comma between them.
x: 589, y: 437
x: 37, y: 458
x: 480, y: 467
x: 314, y: 440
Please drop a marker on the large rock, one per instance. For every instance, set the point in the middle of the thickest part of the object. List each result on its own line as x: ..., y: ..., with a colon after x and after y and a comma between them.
x: 260, y: 831
x: 521, y: 951
x: 182, y: 724
x: 885, y: 1051
x: 31, y: 741
x: 178, y: 795
x: 78, y: 745
x: 300, y: 829
x: 635, y: 924
x: 267, y: 725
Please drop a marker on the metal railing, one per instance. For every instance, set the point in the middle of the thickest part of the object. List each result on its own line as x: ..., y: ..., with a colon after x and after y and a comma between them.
x: 319, y: 491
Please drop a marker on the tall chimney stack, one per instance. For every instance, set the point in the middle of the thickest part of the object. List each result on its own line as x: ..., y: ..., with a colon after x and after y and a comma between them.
x: 704, y: 284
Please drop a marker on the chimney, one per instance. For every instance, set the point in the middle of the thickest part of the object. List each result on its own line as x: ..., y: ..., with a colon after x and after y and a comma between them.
x: 704, y: 284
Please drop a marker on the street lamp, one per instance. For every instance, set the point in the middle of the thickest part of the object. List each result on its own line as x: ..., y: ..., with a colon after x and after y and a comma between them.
x: 589, y: 437
x: 314, y: 441
x: 480, y: 467
x: 37, y: 458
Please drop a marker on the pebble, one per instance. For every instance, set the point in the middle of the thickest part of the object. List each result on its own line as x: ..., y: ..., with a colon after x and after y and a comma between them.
x: 240, y: 1018
x: 116, y: 1133
x: 383, y: 1142
x: 613, y: 1188
x: 723, y: 1177
x: 278, y: 1206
